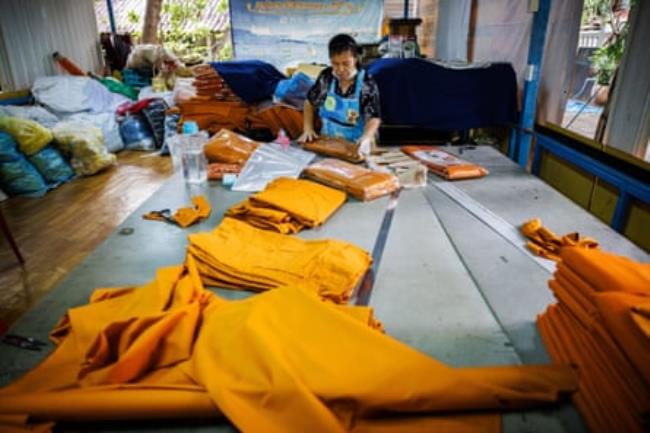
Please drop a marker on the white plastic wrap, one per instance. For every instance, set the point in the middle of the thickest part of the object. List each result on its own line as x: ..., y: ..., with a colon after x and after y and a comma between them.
x: 147, y: 92
x: 31, y: 112
x: 66, y: 94
x: 271, y: 161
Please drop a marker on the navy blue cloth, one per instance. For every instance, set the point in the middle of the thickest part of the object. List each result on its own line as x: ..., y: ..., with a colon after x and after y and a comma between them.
x: 251, y: 80
x: 416, y: 92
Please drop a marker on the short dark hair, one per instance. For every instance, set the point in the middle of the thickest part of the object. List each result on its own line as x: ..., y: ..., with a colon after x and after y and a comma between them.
x: 341, y: 43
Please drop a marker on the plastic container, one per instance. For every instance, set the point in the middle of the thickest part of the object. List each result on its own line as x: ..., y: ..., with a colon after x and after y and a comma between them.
x: 192, y: 158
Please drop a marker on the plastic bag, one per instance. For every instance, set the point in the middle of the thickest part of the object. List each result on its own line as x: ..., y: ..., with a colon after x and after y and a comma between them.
x: 359, y: 182
x: 31, y: 112
x: 107, y: 123
x: 17, y: 175
x: 52, y: 166
x: 445, y: 164
x: 8, y: 148
x: 31, y: 136
x: 136, y: 133
x: 84, y: 143
x: 230, y: 148
x: 336, y: 147
x: 119, y: 87
x: 65, y: 94
x: 293, y: 91
x: 269, y: 162
x: 154, y: 113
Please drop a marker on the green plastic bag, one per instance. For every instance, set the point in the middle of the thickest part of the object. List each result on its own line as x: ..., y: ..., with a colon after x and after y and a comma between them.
x: 116, y: 86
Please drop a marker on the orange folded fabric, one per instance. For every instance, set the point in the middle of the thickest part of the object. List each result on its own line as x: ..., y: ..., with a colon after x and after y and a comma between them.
x: 276, y: 117
x: 361, y: 183
x: 335, y: 147
x: 289, y: 205
x: 239, y: 256
x: 545, y: 243
x: 184, y: 216
x: 284, y: 361
x: 445, y: 164
x: 599, y: 326
x: 230, y: 148
x: 213, y: 115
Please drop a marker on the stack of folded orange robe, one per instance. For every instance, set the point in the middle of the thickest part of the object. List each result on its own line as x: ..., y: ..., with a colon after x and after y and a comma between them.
x: 601, y: 324
x: 283, y: 361
x: 276, y: 117
x: 289, y: 205
x: 335, y: 147
x: 208, y: 82
x: 361, y: 183
x: 238, y: 256
x: 547, y: 244
x: 230, y: 148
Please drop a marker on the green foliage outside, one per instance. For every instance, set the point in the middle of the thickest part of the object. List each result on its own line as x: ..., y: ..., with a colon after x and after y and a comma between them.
x: 606, y: 59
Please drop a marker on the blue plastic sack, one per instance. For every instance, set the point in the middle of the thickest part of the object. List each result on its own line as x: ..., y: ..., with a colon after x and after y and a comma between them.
x: 52, y: 166
x: 136, y: 133
x: 8, y: 148
x: 21, y: 178
x: 293, y: 91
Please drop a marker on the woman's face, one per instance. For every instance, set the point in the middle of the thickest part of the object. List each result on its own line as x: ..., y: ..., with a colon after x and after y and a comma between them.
x: 344, y: 65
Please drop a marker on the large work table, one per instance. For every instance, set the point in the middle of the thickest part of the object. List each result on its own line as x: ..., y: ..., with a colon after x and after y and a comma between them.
x: 453, y: 280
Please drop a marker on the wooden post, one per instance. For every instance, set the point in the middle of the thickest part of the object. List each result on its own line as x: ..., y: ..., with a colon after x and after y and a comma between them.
x: 151, y: 21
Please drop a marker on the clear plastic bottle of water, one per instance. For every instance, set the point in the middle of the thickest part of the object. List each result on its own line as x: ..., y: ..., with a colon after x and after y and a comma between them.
x: 193, y: 161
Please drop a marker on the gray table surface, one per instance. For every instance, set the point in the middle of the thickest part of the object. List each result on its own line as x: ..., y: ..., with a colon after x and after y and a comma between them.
x: 448, y: 285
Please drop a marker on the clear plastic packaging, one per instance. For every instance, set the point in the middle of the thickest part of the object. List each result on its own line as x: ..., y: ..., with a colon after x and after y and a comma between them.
x: 360, y: 182
x: 269, y: 162
x: 84, y: 144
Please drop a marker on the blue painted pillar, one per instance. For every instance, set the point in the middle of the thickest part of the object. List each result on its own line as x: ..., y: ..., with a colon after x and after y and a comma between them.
x: 531, y: 83
x: 111, y: 15
x: 406, y: 8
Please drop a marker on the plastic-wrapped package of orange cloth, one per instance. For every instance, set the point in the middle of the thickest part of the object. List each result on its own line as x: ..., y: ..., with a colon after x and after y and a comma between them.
x: 445, y: 164
x: 283, y: 361
x: 213, y: 115
x: 335, y: 147
x: 600, y: 325
x: 216, y: 170
x: 289, y: 205
x: 361, y: 183
x: 545, y: 243
x: 237, y: 255
x: 230, y: 148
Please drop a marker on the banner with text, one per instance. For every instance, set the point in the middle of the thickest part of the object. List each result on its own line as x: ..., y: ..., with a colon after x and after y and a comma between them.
x: 285, y: 33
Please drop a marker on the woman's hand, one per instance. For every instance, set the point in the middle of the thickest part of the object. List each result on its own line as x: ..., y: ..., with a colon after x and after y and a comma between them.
x: 307, y: 135
x: 365, y: 145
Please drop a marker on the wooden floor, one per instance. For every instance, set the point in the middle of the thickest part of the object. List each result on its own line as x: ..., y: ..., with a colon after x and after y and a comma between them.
x: 57, y: 231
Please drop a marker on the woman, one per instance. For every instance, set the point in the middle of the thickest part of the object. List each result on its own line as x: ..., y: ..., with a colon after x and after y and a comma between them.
x: 346, y: 97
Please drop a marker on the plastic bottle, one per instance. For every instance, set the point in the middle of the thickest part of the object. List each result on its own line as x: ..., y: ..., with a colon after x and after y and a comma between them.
x: 193, y: 161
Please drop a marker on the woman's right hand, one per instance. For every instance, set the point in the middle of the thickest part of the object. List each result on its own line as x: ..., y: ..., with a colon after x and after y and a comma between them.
x: 307, y: 135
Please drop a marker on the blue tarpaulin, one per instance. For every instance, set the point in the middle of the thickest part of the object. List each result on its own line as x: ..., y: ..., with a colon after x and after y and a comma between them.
x: 251, y: 80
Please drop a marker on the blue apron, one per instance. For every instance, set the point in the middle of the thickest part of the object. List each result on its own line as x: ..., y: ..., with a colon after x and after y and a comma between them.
x: 341, y: 117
